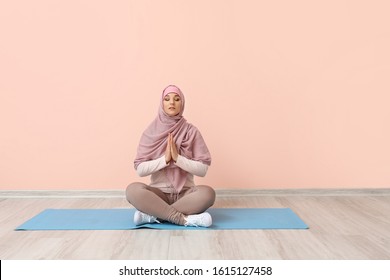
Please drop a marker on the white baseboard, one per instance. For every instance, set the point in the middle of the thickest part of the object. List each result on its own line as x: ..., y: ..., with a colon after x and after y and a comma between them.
x: 220, y: 193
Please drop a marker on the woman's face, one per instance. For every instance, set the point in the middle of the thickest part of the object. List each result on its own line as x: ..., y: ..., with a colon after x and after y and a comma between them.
x: 172, y: 104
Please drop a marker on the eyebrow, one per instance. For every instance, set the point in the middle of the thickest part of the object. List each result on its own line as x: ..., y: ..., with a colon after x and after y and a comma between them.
x: 175, y: 96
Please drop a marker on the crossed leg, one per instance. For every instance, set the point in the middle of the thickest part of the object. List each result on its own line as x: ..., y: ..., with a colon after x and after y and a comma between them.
x: 154, y: 202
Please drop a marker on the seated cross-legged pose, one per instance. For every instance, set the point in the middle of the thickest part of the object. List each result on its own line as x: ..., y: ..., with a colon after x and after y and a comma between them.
x: 172, y: 151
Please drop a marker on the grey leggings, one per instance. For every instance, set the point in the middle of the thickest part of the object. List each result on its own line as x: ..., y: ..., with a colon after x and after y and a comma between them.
x: 167, y: 207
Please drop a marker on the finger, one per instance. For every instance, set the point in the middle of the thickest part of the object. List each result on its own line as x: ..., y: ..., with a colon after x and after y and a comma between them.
x: 174, y: 152
x: 172, y: 142
x: 173, y: 148
x: 168, y: 151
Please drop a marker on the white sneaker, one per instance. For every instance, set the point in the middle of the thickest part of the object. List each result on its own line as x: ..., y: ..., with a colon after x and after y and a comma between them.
x: 200, y: 220
x: 142, y: 218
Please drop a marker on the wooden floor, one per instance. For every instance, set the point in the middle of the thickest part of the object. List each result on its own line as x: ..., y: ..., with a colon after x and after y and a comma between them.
x: 342, y: 226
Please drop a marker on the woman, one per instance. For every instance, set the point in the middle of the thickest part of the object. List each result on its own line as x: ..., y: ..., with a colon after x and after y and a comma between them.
x: 172, y: 151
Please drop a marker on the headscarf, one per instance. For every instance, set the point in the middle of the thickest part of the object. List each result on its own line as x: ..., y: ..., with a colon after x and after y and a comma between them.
x: 188, y: 140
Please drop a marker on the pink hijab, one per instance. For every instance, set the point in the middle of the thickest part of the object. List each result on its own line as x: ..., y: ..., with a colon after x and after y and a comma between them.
x: 189, y: 141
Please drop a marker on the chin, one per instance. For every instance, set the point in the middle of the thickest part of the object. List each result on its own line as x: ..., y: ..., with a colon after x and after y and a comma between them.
x: 172, y: 114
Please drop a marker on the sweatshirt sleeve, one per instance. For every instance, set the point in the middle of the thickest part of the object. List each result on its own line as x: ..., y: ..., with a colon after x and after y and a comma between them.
x: 148, y: 167
x: 191, y: 166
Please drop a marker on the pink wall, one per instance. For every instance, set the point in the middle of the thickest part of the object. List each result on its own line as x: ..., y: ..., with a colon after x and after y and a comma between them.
x: 287, y: 94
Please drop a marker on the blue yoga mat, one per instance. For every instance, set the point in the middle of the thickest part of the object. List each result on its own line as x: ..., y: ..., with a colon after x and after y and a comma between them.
x: 122, y: 219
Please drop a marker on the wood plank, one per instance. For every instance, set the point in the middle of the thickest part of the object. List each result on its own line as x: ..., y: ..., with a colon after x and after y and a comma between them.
x: 341, y: 227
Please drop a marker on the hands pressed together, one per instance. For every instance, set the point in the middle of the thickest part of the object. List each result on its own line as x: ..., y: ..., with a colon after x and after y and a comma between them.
x: 171, y: 151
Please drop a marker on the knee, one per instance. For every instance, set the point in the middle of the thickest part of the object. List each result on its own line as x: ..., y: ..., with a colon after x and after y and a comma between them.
x: 132, y: 190
x: 209, y: 194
